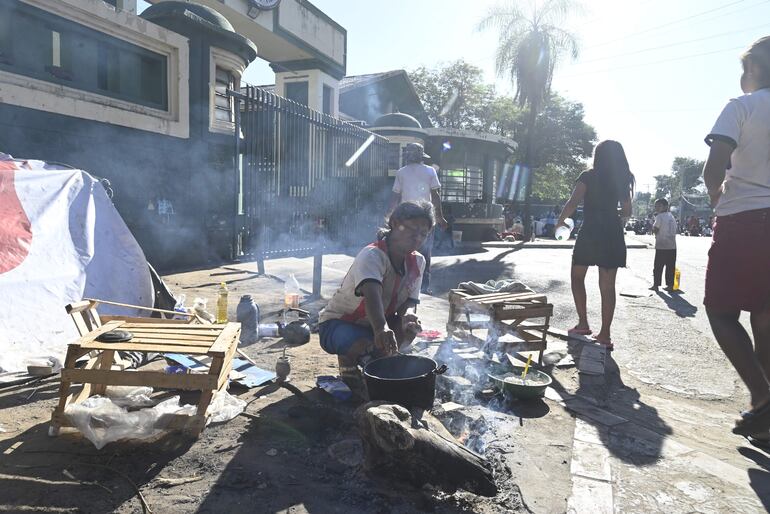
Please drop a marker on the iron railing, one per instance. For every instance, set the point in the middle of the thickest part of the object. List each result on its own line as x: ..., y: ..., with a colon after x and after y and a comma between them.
x: 299, y: 190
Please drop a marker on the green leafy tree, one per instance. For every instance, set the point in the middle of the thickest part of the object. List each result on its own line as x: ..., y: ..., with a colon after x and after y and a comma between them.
x: 531, y: 45
x: 564, y: 141
x: 454, y: 95
x: 642, y: 205
x: 685, y: 177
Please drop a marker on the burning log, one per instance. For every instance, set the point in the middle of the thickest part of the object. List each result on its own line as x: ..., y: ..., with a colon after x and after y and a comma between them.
x: 413, y: 446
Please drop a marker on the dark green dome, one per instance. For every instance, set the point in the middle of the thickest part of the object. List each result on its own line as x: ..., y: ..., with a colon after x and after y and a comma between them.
x: 397, y: 119
x: 170, y: 8
x: 195, y: 21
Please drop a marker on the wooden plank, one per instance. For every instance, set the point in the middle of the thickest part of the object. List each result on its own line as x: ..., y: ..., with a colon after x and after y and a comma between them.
x: 163, y: 334
x: 227, y: 367
x: 131, y: 319
x: 156, y: 347
x: 149, y: 340
x: 188, y: 381
x: 524, y: 313
x: 175, y: 326
x: 112, y: 325
x: 509, y: 294
x: 226, y: 339
x: 510, y: 300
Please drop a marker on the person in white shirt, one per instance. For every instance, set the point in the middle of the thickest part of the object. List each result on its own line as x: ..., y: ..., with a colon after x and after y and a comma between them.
x: 418, y: 182
x: 737, y: 177
x: 664, y: 229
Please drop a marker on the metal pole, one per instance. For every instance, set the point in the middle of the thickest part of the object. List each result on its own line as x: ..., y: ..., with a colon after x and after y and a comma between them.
x: 317, y: 271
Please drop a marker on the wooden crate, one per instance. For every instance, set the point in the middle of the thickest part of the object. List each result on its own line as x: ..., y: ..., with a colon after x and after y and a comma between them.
x: 507, y: 313
x: 219, y: 342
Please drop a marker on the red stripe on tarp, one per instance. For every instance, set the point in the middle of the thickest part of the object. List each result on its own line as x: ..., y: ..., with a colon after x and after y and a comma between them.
x: 15, y: 227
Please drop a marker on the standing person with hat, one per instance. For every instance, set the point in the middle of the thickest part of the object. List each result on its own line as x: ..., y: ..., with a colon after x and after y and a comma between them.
x: 418, y: 182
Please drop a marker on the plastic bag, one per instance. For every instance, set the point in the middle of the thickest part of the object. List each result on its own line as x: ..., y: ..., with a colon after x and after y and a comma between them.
x: 103, y: 421
x: 179, y: 307
x: 130, y: 396
x: 335, y: 387
x: 224, y: 407
x: 199, y: 307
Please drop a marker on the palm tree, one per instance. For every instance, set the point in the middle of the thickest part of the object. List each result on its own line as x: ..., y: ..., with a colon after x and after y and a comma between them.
x: 531, y: 45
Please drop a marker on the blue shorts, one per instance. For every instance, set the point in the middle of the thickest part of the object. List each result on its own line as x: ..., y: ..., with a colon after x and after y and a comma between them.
x: 338, y: 336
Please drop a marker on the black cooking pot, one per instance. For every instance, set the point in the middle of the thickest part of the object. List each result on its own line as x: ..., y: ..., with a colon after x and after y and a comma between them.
x: 407, y: 380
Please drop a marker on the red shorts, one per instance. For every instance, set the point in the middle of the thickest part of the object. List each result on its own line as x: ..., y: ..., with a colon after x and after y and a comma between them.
x: 738, y: 272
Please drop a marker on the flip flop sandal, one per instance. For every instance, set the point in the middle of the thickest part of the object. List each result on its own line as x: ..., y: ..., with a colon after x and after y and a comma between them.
x: 607, y: 345
x: 761, y: 443
x: 753, y: 421
x: 579, y: 332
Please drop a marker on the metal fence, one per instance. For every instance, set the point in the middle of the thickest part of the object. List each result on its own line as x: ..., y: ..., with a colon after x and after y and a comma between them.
x: 302, y: 190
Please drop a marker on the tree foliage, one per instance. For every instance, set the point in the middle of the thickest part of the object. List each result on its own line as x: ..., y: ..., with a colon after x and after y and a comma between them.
x: 531, y: 44
x: 454, y: 96
x: 685, y: 177
x: 564, y: 141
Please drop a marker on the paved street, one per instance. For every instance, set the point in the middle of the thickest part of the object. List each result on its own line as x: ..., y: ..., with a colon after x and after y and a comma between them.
x: 667, y: 378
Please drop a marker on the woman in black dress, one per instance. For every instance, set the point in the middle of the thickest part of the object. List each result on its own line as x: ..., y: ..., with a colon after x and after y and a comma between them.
x: 600, y: 241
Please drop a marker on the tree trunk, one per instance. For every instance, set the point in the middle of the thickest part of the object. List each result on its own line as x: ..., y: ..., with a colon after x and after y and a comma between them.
x: 416, y: 448
x: 528, y: 158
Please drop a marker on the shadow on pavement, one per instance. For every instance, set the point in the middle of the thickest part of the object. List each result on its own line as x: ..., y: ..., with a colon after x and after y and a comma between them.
x: 446, y: 276
x: 679, y: 305
x: 630, y: 429
x: 759, y: 478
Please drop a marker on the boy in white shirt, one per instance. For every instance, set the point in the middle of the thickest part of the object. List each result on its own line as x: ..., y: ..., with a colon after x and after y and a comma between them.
x: 664, y: 229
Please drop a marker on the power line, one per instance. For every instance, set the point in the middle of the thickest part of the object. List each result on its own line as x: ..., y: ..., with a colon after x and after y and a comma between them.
x: 655, y: 62
x: 634, y: 52
x: 668, y: 24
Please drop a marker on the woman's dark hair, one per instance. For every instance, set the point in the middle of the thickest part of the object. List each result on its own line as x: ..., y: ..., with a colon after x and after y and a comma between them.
x: 759, y: 55
x: 408, y: 211
x: 611, y: 166
x: 662, y: 201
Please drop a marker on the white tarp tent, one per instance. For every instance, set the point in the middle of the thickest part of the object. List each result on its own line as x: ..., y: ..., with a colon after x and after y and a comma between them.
x: 61, y: 240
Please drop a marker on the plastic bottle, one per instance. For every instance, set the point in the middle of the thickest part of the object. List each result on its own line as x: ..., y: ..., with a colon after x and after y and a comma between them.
x: 222, y: 304
x: 247, y: 314
x: 291, y: 292
x: 677, y: 277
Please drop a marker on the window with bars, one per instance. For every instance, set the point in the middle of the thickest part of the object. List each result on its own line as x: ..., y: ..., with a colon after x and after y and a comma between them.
x: 394, y: 156
x: 462, y: 185
x: 223, y: 103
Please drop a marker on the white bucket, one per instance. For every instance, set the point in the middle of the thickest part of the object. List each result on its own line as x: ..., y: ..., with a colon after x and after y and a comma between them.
x: 563, y: 233
x: 457, y: 236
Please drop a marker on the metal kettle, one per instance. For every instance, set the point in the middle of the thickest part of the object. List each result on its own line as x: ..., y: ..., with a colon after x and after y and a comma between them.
x: 296, y: 332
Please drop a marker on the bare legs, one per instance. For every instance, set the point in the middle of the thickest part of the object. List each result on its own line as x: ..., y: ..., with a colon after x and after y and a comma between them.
x: 607, y: 289
x: 751, y: 362
x: 578, y: 281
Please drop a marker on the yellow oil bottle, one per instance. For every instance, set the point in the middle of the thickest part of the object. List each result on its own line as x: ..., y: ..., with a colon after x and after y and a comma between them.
x: 222, y: 304
x: 677, y: 276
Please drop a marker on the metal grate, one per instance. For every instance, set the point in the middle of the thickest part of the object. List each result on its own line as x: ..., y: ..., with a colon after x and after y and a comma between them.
x: 298, y: 195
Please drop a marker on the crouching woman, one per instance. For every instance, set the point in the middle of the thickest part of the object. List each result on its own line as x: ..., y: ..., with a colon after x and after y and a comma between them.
x: 367, y: 317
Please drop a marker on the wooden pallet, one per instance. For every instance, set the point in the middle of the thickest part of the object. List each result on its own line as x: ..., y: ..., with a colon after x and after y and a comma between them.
x: 507, y: 314
x: 219, y: 342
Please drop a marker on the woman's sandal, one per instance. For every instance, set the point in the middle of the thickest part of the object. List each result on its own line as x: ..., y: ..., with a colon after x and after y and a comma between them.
x: 579, y: 332
x: 607, y: 345
x: 763, y: 442
x: 753, y: 421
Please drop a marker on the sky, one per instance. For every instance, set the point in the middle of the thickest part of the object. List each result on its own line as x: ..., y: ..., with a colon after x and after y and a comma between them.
x: 652, y: 74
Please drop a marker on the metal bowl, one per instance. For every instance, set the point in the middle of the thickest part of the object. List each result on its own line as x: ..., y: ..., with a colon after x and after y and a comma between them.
x: 520, y: 391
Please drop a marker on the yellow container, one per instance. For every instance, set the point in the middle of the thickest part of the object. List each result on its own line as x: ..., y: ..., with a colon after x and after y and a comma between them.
x: 222, y: 304
x: 677, y: 276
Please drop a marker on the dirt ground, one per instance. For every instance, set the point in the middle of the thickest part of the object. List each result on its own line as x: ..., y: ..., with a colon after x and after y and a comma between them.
x: 284, y: 454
